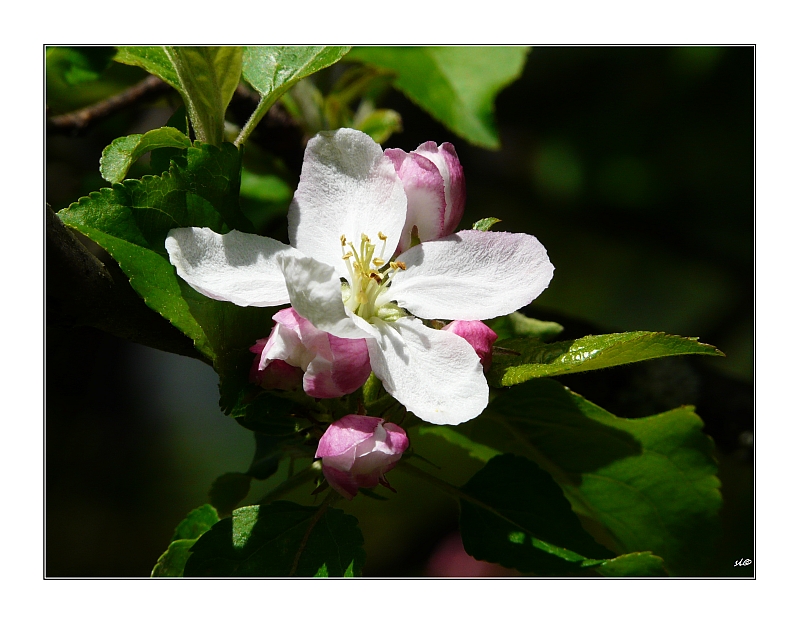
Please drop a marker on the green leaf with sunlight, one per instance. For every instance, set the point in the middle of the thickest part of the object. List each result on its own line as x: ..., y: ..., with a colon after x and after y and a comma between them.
x: 514, y: 514
x: 153, y: 59
x: 228, y: 490
x: 282, y: 539
x: 272, y: 70
x: 172, y: 562
x: 484, y: 224
x: 526, y: 358
x: 208, y: 76
x: 118, y: 157
x: 645, y: 484
x: 456, y: 85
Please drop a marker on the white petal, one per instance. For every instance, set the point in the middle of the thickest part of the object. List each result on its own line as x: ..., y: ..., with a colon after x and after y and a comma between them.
x: 315, y: 291
x: 347, y: 187
x: 435, y: 374
x: 471, y: 275
x: 235, y: 267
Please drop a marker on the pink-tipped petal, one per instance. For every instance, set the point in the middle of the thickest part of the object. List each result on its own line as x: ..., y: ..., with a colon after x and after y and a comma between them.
x: 425, y: 191
x: 357, y: 451
x: 446, y: 160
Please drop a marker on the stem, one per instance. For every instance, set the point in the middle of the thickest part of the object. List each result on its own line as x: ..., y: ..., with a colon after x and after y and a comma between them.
x: 317, y: 516
x: 79, y: 120
x: 263, y: 107
x: 290, y: 484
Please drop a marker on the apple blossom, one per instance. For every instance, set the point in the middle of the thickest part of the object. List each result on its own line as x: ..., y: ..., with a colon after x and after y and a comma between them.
x: 433, y: 180
x: 332, y: 366
x: 478, y: 335
x: 357, y: 451
x: 342, y: 275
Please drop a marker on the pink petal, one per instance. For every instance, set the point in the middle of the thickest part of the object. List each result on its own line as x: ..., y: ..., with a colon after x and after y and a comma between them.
x: 479, y: 336
x: 340, y: 481
x: 425, y: 191
x: 345, y: 434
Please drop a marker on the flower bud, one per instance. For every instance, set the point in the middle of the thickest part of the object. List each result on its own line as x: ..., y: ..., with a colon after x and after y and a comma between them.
x: 433, y: 180
x: 357, y: 451
x: 478, y: 335
x: 329, y: 366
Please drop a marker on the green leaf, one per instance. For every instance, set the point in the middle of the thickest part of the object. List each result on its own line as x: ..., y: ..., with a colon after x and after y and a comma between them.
x: 172, y: 562
x: 485, y: 224
x: 518, y: 325
x: 228, y: 490
x: 514, y: 514
x: 208, y: 77
x: 280, y: 540
x: 272, y: 70
x: 123, y: 152
x: 131, y: 222
x: 646, y: 484
x: 528, y: 358
x: 474, y: 449
x: 379, y: 124
x: 633, y: 565
x: 455, y: 85
x: 205, y: 76
x: 196, y: 523
x: 153, y: 59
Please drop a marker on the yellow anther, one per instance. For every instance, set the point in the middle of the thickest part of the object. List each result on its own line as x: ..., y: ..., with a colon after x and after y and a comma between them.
x: 364, y: 237
x: 401, y: 265
x: 343, y: 240
x: 347, y: 255
x: 378, y: 262
x: 394, y: 265
x: 381, y: 236
x: 376, y: 276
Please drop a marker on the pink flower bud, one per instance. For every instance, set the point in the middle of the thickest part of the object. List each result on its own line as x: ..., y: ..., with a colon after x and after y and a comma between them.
x: 357, y: 451
x: 479, y: 336
x: 433, y: 180
x: 329, y: 366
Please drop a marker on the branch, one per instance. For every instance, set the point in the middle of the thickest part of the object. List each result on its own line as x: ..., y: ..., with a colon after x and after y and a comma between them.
x: 77, y: 122
x: 82, y: 291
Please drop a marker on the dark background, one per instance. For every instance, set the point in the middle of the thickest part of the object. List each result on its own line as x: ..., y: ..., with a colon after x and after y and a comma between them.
x: 633, y: 166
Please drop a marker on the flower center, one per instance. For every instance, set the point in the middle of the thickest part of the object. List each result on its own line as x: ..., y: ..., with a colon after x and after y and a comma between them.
x: 369, y: 277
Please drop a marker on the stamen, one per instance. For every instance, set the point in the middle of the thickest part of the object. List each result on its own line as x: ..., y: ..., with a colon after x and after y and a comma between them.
x: 381, y: 236
x: 347, y: 255
x: 401, y: 265
x: 343, y: 239
x: 364, y: 238
x: 378, y: 262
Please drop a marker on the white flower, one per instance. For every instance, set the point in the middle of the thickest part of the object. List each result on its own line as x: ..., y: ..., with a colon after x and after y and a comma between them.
x: 345, y: 223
